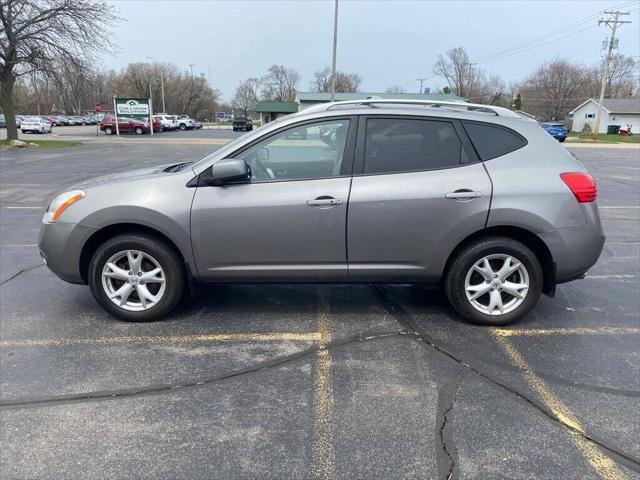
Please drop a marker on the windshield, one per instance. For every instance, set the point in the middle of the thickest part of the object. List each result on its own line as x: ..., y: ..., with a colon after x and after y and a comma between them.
x: 232, y: 145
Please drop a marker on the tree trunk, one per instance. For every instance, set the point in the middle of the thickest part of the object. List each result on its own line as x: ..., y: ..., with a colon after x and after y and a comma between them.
x: 6, y: 103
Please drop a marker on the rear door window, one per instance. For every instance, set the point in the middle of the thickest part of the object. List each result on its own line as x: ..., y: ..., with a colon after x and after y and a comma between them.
x: 395, y: 145
x: 491, y: 141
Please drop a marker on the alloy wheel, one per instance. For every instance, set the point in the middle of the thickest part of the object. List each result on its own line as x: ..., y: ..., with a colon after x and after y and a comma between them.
x: 133, y: 280
x: 496, y: 284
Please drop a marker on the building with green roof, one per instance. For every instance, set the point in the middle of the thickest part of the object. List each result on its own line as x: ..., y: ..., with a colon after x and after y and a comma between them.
x: 309, y: 99
x: 269, y: 111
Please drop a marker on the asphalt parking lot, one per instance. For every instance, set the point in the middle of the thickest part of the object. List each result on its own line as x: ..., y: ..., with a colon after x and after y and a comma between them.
x: 312, y: 381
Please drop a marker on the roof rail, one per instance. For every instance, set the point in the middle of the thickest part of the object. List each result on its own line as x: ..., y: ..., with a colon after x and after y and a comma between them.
x: 498, y: 111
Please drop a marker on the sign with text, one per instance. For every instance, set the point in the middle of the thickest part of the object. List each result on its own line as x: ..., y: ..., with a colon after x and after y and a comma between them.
x: 133, y: 107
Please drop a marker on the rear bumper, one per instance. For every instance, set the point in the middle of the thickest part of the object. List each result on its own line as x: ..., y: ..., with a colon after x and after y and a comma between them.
x: 576, y: 250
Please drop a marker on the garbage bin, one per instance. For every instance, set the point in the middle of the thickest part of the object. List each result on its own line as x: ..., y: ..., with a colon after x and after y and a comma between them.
x: 613, y: 129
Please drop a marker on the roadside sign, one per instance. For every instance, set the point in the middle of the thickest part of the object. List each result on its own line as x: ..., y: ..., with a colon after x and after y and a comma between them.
x: 138, y: 108
x: 98, y: 108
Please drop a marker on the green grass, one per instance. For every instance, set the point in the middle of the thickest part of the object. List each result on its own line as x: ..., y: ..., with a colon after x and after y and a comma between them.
x: 603, y: 138
x: 45, y: 143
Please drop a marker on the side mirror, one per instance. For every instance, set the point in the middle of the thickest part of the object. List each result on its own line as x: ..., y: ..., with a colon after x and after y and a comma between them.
x: 263, y: 154
x: 229, y: 171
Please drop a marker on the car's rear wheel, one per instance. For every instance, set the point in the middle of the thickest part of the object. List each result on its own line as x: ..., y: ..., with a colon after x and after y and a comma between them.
x: 136, y: 277
x: 183, y: 126
x: 494, y: 281
x: 139, y: 131
x: 108, y: 130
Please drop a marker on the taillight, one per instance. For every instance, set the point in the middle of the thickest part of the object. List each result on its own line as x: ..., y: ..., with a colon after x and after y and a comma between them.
x: 582, y: 185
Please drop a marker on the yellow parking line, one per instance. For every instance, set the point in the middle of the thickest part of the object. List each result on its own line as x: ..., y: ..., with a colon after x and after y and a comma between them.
x: 323, y: 446
x: 214, y: 337
x: 603, y: 465
x: 523, y: 332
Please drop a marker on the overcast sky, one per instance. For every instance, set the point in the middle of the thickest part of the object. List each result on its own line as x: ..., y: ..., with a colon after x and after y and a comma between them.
x: 387, y: 42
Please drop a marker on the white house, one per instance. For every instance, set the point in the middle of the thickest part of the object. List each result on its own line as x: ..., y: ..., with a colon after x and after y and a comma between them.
x: 615, y: 111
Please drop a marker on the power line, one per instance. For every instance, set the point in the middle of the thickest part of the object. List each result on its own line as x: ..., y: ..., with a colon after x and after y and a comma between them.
x: 533, y: 47
x: 534, y: 43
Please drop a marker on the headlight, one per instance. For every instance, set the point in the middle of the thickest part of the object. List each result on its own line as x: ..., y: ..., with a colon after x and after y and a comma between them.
x: 60, y: 204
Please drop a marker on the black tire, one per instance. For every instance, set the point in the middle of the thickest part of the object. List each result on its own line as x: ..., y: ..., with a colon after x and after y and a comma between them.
x: 183, y: 126
x: 561, y: 140
x: 454, y: 283
x: 108, y: 131
x: 139, y: 131
x: 169, y: 260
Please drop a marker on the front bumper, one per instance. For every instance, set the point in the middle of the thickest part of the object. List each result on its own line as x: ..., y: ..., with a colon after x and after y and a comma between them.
x: 60, y: 247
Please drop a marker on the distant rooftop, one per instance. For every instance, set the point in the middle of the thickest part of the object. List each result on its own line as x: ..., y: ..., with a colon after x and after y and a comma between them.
x: 276, y: 107
x: 320, y: 97
x: 614, y: 105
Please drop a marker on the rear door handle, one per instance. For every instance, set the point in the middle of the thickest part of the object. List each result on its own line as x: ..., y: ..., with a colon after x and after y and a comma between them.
x: 464, y: 194
x: 324, y: 202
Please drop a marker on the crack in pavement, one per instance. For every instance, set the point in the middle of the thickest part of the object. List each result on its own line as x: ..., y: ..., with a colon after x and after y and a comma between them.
x: 445, y: 429
x: 405, y: 319
x: 20, y: 272
x: 28, y: 402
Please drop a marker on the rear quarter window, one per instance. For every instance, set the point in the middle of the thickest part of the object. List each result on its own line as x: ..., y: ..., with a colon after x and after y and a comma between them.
x: 491, y: 141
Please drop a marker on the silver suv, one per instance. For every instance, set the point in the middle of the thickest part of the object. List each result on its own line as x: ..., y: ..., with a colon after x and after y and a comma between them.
x: 470, y: 196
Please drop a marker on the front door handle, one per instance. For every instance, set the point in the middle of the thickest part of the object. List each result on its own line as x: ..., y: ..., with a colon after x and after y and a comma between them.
x: 463, y: 194
x: 324, y: 201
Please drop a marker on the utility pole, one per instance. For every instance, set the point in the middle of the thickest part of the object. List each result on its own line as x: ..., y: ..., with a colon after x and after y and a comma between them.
x: 191, y: 65
x: 421, y: 80
x: 612, y: 22
x: 335, y: 46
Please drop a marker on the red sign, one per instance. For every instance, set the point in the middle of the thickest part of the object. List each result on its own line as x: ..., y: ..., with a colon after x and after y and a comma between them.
x: 98, y: 107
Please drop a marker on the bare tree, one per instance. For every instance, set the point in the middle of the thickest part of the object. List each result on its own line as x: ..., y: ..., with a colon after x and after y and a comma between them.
x: 345, y: 82
x: 466, y: 80
x: 246, y: 96
x: 39, y: 35
x: 456, y: 68
x: 621, y: 82
x: 554, y: 88
x: 396, y: 89
x: 280, y: 83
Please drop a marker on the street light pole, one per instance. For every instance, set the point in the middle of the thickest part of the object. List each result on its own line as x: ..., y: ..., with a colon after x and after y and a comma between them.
x: 335, y: 46
x: 164, y: 110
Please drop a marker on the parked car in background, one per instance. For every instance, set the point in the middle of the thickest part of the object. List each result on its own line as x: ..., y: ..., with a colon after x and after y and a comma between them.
x: 19, y: 119
x: 242, y: 124
x: 91, y: 119
x: 169, y: 122
x: 475, y: 198
x: 3, y: 122
x: 157, y: 125
x: 556, y: 130
x: 125, y: 125
x: 35, y: 125
x: 186, y: 123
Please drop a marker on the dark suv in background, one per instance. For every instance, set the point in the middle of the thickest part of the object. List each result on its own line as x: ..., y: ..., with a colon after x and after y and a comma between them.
x: 241, y: 124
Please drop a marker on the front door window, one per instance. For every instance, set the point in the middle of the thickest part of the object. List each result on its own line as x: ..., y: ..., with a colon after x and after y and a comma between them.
x: 310, y: 151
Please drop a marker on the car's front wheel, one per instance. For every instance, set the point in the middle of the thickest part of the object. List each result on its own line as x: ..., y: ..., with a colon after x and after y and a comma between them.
x: 183, y: 126
x: 494, y: 281
x: 108, y: 130
x: 136, y: 277
x: 139, y: 131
